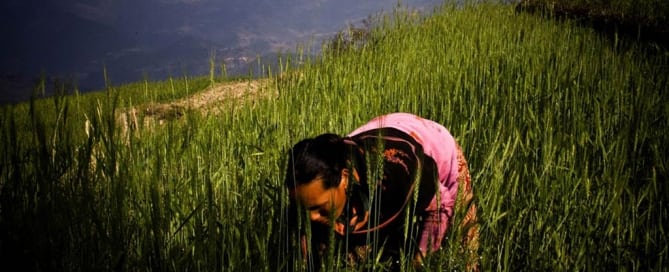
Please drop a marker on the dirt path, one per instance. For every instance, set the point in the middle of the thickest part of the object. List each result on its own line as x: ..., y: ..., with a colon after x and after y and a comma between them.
x: 210, y: 101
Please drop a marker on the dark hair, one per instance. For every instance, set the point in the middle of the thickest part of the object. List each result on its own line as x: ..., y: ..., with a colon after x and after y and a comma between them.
x: 323, y: 156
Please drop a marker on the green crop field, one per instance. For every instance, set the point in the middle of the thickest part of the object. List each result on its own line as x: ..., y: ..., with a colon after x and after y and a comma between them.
x: 566, y: 132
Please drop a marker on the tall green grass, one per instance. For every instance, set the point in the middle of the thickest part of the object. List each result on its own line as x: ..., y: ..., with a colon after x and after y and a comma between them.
x: 565, y: 133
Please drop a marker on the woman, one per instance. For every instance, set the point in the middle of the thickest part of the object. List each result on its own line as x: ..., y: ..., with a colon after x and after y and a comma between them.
x: 368, y: 185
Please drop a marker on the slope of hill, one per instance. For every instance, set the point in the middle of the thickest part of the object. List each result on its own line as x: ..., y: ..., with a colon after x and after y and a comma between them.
x: 565, y: 134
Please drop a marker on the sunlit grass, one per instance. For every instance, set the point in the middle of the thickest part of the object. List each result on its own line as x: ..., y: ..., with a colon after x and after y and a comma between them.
x: 565, y: 134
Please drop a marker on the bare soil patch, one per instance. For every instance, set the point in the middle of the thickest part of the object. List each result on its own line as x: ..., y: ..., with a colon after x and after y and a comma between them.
x: 210, y: 101
x: 213, y: 100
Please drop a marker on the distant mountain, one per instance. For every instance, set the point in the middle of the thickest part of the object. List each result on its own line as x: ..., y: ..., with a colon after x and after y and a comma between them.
x: 133, y: 40
x: 42, y: 38
x: 187, y: 56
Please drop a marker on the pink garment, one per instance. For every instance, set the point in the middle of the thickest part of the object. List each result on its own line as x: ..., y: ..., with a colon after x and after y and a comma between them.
x: 439, y: 144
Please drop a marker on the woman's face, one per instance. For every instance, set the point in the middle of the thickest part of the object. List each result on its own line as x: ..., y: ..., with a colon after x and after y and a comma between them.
x: 322, y: 204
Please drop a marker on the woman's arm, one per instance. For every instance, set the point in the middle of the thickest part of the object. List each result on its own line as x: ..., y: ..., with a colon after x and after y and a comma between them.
x: 433, y: 228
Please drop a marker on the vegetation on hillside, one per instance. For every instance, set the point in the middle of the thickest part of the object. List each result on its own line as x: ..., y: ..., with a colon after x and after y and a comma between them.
x: 565, y: 132
x: 645, y: 20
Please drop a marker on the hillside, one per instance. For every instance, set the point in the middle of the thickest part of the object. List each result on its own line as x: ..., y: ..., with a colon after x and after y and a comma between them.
x: 564, y: 129
x: 650, y: 27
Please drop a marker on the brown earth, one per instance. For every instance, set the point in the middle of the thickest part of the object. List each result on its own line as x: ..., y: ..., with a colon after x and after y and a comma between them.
x: 210, y: 101
x: 213, y: 100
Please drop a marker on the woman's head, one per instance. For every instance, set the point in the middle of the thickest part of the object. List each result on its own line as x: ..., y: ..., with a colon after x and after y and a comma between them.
x: 317, y: 176
x: 323, y: 156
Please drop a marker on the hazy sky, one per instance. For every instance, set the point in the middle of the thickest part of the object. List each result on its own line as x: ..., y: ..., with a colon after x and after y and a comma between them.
x: 133, y: 39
